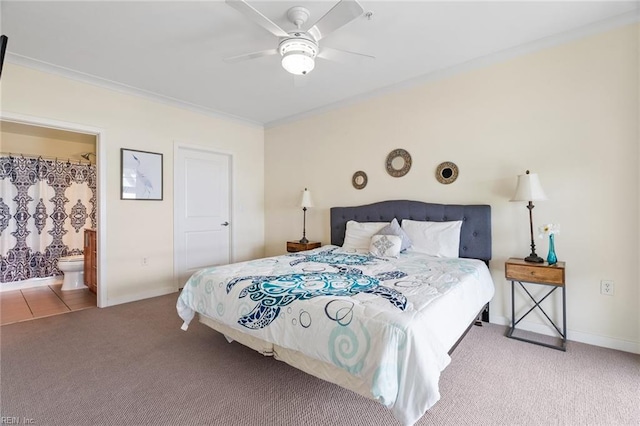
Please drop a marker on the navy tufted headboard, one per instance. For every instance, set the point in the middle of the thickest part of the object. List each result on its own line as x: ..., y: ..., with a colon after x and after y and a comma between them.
x: 475, y: 236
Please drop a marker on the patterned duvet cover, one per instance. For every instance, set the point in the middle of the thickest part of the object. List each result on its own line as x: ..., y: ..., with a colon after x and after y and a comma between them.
x: 372, y: 317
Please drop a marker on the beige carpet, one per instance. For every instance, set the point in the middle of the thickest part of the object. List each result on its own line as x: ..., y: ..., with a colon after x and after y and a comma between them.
x: 131, y: 364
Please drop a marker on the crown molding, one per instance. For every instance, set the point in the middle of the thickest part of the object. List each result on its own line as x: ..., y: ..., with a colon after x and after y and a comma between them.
x: 481, y: 62
x: 123, y: 88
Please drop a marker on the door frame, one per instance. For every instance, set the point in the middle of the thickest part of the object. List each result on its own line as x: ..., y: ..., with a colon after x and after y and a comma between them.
x: 177, y: 146
x: 101, y: 190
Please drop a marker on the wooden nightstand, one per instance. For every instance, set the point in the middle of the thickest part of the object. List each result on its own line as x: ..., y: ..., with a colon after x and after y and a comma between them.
x: 517, y: 270
x: 294, y: 246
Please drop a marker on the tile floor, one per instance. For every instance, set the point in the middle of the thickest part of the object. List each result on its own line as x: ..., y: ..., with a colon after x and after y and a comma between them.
x: 38, y: 302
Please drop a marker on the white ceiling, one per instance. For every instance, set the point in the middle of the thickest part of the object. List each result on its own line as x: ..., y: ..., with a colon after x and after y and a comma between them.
x: 174, y: 50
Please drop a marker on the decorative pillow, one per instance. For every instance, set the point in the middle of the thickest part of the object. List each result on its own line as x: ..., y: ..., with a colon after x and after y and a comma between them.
x: 440, y: 239
x: 358, y: 235
x: 394, y: 229
x: 385, y: 245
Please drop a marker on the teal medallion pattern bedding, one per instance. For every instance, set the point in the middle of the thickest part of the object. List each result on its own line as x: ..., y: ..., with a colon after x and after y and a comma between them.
x: 276, y: 291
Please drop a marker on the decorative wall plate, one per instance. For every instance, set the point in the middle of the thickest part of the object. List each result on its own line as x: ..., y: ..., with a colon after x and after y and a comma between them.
x: 398, y: 162
x: 359, y: 179
x: 447, y: 172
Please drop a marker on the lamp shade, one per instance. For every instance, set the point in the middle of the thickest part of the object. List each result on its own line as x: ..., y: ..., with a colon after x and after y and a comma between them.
x: 529, y: 188
x: 306, y: 199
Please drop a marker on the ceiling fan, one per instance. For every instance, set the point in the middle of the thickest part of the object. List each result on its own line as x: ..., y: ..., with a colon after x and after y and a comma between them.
x: 300, y: 48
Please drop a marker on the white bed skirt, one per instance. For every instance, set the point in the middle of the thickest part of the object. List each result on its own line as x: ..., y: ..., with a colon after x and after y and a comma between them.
x: 319, y: 369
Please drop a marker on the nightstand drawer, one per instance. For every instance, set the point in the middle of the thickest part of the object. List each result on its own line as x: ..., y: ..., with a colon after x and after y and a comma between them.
x: 295, y: 246
x: 535, y: 274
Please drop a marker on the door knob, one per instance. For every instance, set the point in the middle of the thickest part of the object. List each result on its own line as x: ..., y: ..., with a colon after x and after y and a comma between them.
x: 225, y: 224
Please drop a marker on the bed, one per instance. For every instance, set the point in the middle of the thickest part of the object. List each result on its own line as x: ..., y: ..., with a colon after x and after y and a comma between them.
x: 381, y: 326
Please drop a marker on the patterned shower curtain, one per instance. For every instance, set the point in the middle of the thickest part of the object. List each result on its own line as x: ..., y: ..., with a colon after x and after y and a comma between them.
x: 44, y: 207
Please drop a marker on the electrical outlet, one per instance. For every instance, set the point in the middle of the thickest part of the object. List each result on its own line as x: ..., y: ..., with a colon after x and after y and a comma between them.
x: 144, y: 261
x: 607, y: 287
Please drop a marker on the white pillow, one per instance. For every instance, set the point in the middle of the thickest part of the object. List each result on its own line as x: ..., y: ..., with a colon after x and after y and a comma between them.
x: 440, y: 239
x: 385, y: 245
x: 358, y: 235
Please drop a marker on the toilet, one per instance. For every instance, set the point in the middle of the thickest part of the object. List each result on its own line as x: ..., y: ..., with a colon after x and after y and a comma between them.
x: 73, y: 269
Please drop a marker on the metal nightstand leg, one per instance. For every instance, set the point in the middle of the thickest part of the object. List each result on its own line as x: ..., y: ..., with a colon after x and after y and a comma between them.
x: 514, y: 322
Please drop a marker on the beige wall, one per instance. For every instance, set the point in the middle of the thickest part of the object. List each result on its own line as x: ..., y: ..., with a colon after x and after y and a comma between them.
x: 16, y: 138
x: 568, y: 113
x: 145, y: 229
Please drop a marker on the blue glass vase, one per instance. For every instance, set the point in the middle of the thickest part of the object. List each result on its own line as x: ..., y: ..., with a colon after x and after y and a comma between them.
x: 552, y: 259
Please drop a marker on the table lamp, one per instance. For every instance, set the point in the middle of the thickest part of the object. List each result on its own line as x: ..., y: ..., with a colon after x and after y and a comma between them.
x: 305, y: 203
x: 529, y: 189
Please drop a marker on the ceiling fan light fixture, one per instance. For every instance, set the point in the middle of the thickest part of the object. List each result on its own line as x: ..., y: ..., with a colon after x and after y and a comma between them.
x: 298, y: 63
x: 298, y: 55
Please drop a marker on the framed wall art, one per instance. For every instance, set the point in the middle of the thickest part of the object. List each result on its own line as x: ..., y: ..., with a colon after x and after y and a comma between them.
x: 141, y: 175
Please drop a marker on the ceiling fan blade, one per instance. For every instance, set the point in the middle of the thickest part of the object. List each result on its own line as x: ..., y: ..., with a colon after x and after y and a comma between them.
x: 340, y: 55
x: 254, y: 55
x: 257, y: 17
x: 341, y: 14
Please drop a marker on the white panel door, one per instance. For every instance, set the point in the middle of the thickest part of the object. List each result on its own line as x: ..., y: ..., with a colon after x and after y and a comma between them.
x: 202, y: 198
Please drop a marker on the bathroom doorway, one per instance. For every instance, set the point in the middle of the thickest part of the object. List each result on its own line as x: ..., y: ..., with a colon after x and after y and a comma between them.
x: 77, y: 149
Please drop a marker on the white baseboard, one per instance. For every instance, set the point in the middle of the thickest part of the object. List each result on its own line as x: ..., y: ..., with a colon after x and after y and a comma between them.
x: 573, y: 335
x: 33, y: 282
x: 141, y: 296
